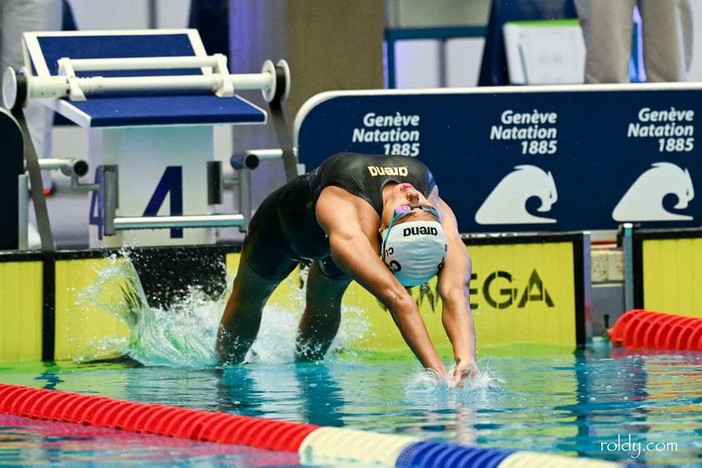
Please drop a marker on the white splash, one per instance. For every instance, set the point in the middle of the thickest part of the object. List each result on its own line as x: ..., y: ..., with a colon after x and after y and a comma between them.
x: 186, y: 333
x: 427, y: 383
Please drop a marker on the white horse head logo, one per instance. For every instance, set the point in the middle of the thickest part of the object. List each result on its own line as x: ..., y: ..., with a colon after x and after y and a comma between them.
x: 644, y: 199
x: 506, y: 204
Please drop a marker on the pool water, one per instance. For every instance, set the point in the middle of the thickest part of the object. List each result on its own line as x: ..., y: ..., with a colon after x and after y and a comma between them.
x: 35, y: 442
x: 600, y: 403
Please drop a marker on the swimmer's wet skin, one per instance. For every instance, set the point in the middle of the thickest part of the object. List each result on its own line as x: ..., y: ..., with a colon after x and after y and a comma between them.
x: 344, y: 215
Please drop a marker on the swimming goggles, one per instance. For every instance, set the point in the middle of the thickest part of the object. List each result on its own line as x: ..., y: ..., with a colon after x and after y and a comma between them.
x: 403, y: 210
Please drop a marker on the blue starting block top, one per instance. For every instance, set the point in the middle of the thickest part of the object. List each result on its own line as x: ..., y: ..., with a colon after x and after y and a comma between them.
x: 45, y: 49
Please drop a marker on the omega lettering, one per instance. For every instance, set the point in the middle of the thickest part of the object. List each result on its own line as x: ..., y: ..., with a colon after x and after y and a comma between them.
x: 500, y: 291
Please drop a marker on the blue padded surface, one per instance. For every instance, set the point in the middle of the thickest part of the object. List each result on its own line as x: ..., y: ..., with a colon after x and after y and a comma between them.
x: 168, y: 110
x: 146, y: 45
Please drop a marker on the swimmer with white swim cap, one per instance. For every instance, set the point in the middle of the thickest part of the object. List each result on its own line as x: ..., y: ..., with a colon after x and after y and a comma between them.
x: 414, y: 250
x: 375, y: 219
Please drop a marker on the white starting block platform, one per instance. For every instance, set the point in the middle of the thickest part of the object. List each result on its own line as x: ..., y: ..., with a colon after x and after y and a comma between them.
x: 148, y: 100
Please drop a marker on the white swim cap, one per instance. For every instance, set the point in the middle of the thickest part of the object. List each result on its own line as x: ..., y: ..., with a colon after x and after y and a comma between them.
x: 414, y: 251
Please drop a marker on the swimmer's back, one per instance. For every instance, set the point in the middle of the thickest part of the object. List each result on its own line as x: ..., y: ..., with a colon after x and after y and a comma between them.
x: 366, y: 175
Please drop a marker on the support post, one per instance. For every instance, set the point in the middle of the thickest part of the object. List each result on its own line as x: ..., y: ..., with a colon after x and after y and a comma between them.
x: 628, y: 247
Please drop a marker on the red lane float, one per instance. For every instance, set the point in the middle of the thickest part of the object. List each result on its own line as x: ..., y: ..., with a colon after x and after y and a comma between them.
x: 156, y: 419
x: 314, y: 444
x: 640, y: 328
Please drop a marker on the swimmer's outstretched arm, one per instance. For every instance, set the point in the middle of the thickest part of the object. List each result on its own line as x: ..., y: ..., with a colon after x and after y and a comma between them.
x: 456, y: 316
x: 351, y: 225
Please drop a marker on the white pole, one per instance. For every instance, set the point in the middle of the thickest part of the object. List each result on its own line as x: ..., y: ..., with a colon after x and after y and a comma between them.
x: 60, y: 86
x: 185, y: 221
x: 140, y: 63
x: 23, y: 211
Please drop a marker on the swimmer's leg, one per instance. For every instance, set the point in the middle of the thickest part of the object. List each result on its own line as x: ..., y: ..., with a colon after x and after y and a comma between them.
x: 322, y: 315
x: 242, y: 315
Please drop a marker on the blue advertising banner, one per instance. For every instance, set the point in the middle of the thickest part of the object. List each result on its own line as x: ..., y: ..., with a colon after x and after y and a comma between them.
x: 516, y: 159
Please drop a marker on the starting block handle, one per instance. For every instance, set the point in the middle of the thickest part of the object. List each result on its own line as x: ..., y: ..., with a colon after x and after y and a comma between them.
x: 113, y: 223
x: 170, y: 222
x: 68, y: 167
x: 139, y: 63
x: 273, y: 81
x: 176, y: 83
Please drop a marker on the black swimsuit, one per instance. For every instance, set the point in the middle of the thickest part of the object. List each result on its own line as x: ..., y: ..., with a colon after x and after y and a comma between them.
x: 284, y: 229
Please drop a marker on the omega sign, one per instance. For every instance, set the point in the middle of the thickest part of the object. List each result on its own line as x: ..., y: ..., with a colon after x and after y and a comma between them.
x: 501, y: 291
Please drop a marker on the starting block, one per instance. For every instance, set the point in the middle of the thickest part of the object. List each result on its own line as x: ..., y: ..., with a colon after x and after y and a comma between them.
x: 148, y: 100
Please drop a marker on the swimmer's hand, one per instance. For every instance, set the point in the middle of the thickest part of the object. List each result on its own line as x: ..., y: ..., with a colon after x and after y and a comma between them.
x: 464, y: 371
